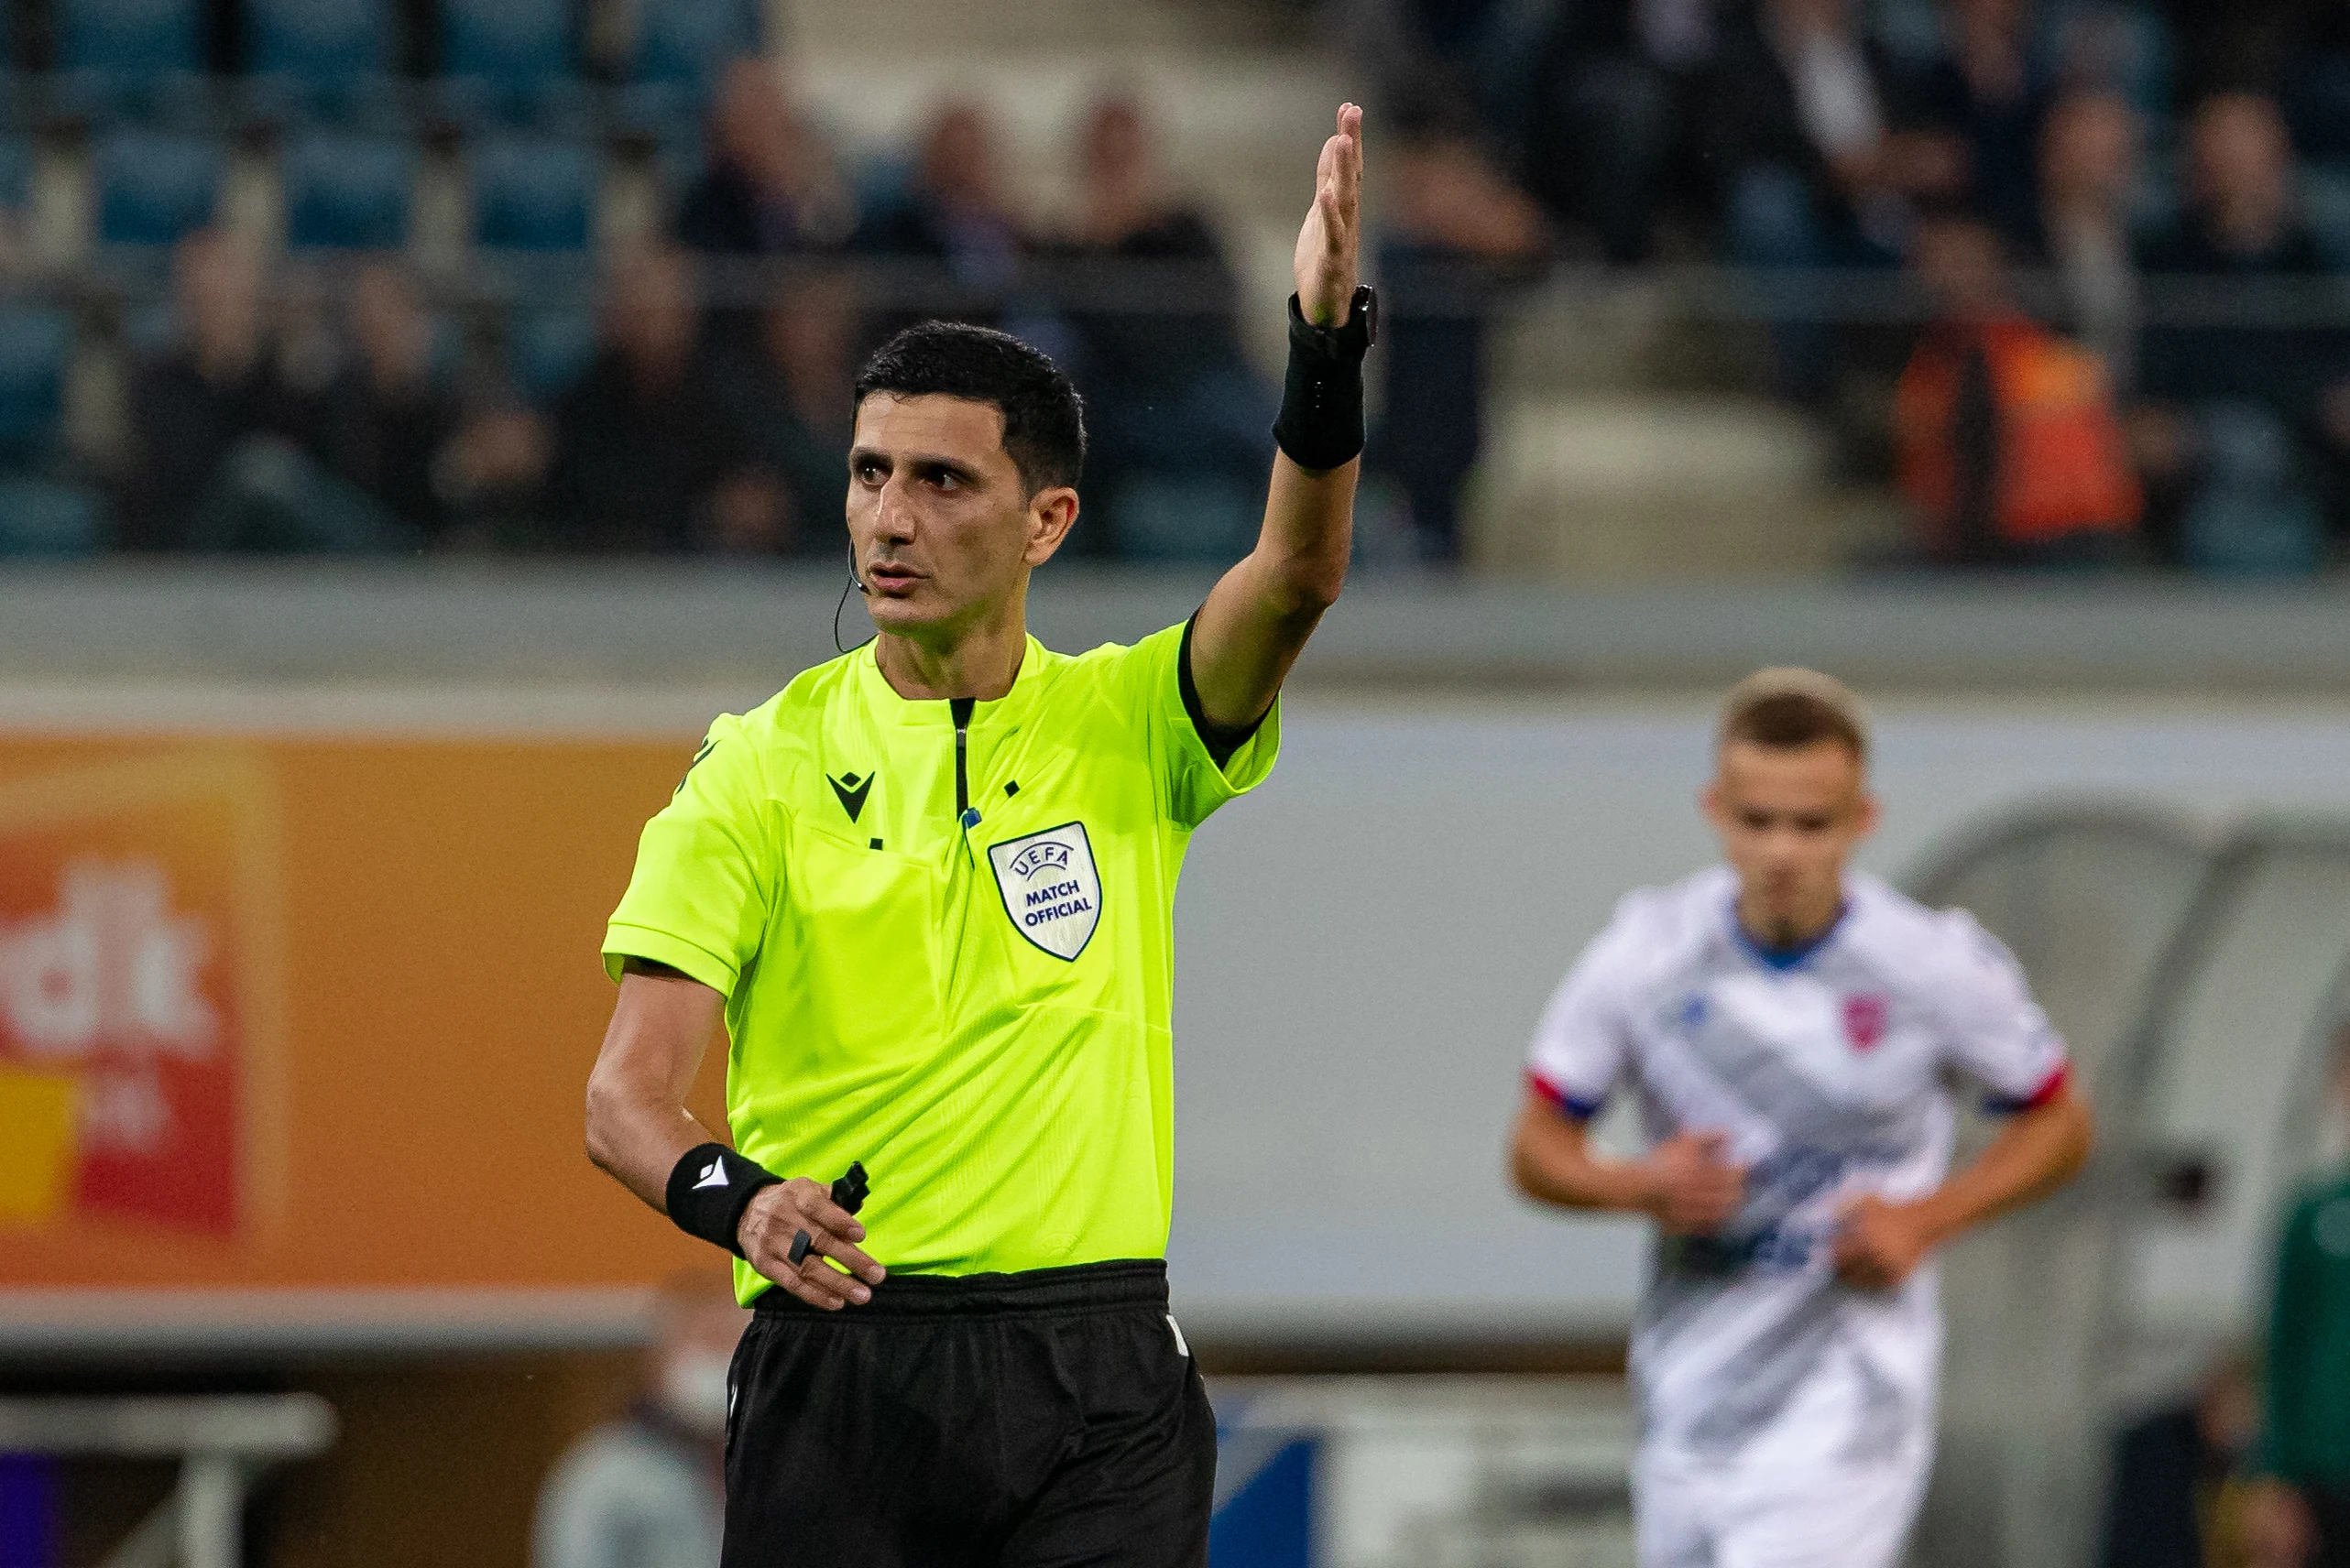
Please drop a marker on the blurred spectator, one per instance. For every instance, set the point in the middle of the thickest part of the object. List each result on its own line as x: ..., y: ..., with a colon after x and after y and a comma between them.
x: 787, y: 390
x: 955, y: 210
x: 490, y: 476
x: 1616, y: 86
x: 1456, y: 230
x: 2088, y: 176
x: 2010, y: 454
x: 767, y: 190
x: 385, y: 416
x: 216, y: 425
x: 1980, y: 94
x: 1818, y: 173
x: 1171, y: 399
x: 2299, y: 1515
x: 2313, y: 46
x: 2173, y: 1499
x: 2239, y: 415
x: 209, y: 392
x: 648, y: 1490
x: 645, y: 457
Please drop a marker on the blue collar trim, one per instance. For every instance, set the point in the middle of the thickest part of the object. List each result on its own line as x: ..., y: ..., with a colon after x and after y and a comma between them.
x: 1784, y: 958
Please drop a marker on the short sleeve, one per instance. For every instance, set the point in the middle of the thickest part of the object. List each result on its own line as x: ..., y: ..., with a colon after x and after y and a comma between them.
x: 1150, y: 678
x: 705, y: 872
x: 1993, y: 1030
x: 1581, y: 1042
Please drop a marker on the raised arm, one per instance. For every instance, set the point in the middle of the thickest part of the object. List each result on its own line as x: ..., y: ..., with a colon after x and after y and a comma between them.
x: 1258, y: 617
x: 639, y: 1129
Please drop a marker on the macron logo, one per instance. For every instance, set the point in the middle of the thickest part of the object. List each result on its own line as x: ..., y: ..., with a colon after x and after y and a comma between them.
x: 713, y: 1175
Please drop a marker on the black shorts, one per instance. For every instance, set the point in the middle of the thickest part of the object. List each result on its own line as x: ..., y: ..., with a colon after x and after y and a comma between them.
x: 996, y: 1419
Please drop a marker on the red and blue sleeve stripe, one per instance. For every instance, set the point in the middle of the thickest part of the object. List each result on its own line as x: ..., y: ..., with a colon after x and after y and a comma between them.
x: 1570, y: 1106
x: 2053, y: 1085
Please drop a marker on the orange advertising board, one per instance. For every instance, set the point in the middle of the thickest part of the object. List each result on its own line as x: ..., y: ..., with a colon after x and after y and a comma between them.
x: 291, y: 1011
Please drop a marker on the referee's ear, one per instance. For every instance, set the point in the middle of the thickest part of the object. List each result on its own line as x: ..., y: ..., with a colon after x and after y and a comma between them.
x: 1052, y: 513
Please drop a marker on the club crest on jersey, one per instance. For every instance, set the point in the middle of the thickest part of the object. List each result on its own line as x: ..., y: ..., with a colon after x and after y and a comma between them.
x: 1050, y: 887
x: 1865, y: 1018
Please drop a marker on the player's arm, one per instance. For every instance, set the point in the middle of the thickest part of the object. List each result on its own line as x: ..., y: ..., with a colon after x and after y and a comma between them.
x: 639, y: 1130
x: 1258, y: 617
x: 1684, y: 1184
x: 2039, y: 1149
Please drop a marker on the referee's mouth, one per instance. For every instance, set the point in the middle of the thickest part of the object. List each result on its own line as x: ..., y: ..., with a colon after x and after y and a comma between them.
x: 891, y: 577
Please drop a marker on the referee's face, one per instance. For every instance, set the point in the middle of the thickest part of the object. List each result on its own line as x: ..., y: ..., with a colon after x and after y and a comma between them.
x: 942, y: 526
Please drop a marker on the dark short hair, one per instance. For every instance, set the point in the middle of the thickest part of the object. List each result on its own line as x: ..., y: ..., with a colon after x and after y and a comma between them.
x: 1787, y: 709
x: 1043, y: 417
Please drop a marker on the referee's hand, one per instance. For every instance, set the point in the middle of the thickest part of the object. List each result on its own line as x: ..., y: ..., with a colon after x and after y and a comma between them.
x: 1325, y: 266
x: 780, y: 1213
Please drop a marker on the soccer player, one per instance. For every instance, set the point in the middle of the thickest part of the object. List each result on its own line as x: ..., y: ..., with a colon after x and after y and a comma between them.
x: 930, y: 887
x: 1787, y: 1027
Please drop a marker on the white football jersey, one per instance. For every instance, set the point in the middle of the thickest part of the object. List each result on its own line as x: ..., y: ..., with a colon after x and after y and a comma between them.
x: 1828, y: 1071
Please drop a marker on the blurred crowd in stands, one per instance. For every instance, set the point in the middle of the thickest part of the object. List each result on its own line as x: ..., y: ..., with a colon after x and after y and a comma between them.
x: 2066, y: 271
x: 2124, y: 222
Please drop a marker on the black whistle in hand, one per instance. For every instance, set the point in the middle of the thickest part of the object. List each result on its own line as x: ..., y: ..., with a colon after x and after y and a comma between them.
x: 848, y: 1192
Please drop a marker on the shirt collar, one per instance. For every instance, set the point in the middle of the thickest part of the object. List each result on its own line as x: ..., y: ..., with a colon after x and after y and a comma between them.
x: 882, y: 700
x: 1784, y: 959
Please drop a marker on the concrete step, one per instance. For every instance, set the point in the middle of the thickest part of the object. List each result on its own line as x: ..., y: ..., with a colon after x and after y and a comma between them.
x: 1644, y: 488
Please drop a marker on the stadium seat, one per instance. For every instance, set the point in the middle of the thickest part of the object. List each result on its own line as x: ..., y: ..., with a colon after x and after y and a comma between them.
x: 154, y: 186
x: 16, y: 173
x: 332, y: 58
x: 130, y: 57
x: 48, y: 519
x: 547, y: 350
x: 680, y: 48
x: 509, y: 59
x: 348, y: 193
x: 35, y: 341
x: 532, y: 193
x: 2326, y: 205
x: 1162, y: 518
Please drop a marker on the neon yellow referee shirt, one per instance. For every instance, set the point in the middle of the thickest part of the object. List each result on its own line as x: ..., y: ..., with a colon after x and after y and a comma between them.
x: 947, y: 950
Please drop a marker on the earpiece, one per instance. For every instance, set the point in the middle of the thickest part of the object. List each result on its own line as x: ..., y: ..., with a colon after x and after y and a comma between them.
x: 853, y: 581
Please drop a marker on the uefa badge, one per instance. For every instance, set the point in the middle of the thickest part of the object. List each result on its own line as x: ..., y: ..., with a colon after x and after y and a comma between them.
x: 1050, y: 887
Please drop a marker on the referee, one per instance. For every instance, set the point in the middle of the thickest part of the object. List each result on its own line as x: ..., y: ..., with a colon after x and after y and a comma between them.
x: 930, y: 887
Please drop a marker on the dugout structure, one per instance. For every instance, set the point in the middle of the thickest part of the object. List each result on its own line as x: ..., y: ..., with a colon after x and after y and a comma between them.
x: 2199, y: 970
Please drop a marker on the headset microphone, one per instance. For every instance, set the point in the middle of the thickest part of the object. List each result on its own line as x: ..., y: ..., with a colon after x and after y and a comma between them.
x: 855, y: 586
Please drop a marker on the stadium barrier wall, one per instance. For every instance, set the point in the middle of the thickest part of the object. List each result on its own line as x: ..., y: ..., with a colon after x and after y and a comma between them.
x: 297, y: 1012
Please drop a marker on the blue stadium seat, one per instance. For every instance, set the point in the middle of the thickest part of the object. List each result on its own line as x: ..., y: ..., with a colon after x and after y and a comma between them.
x: 331, y: 58
x: 547, y: 350
x: 317, y: 40
x: 532, y: 193
x: 131, y: 38
x: 680, y: 48
x: 348, y: 193
x: 2326, y: 205
x: 35, y: 341
x: 48, y: 519
x: 16, y: 173
x: 154, y: 186
x: 130, y: 57
x: 509, y: 59
x: 690, y: 41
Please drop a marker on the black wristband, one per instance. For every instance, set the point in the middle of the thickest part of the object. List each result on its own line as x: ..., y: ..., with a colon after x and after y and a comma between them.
x: 1320, y: 425
x: 709, y: 1188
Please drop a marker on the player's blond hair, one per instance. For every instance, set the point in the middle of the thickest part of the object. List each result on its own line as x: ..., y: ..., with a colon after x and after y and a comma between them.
x: 1788, y: 708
